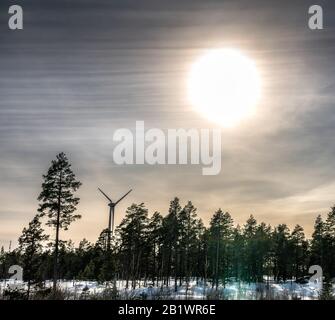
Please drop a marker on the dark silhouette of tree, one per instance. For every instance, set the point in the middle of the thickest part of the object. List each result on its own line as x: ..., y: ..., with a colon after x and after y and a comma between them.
x: 187, y: 242
x: 132, y: 232
x: 170, y: 245
x: 221, y: 231
x: 318, y: 243
x: 281, y: 252
x: 57, y: 201
x: 30, y: 246
x: 237, y: 254
x: 329, y: 244
x: 154, y: 241
x: 250, y: 254
x: 299, y: 252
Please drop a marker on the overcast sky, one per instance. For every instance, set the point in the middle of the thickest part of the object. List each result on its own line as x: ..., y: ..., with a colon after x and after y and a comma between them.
x: 81, y: 69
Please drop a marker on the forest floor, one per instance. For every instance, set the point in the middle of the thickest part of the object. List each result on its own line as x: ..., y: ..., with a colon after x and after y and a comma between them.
x: 287, y: 290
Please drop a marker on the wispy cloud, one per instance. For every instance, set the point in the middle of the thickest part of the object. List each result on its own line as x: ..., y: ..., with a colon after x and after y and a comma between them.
x: 80, y: 70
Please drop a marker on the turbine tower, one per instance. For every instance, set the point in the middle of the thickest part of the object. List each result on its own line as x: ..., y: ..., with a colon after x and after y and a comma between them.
x: 112, y: 206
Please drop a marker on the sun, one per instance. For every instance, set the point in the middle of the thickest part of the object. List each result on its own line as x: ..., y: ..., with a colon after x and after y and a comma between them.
x: 224, y: 86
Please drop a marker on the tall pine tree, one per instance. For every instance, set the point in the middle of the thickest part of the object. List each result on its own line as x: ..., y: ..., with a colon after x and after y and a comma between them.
x: 221, y: 232
x: 57, y: 201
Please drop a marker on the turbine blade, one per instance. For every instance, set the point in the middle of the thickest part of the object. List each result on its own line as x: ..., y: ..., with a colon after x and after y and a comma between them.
x: 123, y: 197
x: 105, y: 195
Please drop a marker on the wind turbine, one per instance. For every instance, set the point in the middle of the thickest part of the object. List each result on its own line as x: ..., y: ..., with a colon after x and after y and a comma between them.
x: 112, y: 206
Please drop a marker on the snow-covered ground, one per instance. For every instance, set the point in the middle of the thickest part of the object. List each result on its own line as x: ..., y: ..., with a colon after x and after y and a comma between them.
x: 231, y: 291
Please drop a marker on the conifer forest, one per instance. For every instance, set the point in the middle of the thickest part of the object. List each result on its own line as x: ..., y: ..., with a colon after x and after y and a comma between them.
x: 160, y: 252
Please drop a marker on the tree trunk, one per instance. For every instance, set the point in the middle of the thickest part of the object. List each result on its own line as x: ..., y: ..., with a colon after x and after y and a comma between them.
x: 176, y: 271
x: 55, y: 277
x: 217, y: 264
x: 28, y: 290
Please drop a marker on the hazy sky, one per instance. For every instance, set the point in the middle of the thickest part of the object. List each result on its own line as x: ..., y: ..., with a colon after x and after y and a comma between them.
x: 81, y: 69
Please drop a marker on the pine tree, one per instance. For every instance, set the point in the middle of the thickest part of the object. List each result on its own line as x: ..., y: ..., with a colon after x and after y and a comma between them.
x: 299, y: 248
x: 170, y: 237
x: 250, y: 227
x: 329, y: 243
x: 30, y: 246
x: 154, y: 244
x: 221, y: 231
x: 318, y: 249
x: 132, y: 233
x: 262, y: 247
x: 250, y: 258
x: 104, y: 257
x: 187, y: 242
x: 57, y: 201
x: 237, y: 252
x: 281, y: 252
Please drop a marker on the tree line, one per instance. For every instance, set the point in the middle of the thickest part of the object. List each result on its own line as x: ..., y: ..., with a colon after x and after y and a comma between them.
x: 163, y: 250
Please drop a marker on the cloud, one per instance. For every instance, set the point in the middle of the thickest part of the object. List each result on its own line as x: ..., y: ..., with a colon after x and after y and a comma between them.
x: 78, y: 72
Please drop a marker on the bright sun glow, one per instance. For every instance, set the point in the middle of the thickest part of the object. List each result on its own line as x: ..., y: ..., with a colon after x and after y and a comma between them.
x: 224, y: 86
